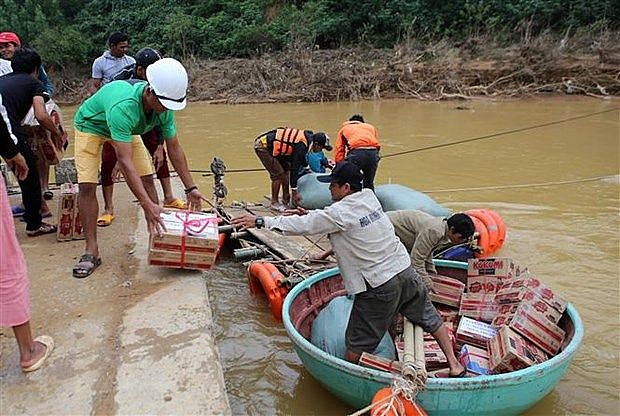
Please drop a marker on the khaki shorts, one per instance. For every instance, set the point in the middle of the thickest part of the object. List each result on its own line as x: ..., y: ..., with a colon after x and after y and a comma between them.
x: 273, y: 165
x: 88, y: 156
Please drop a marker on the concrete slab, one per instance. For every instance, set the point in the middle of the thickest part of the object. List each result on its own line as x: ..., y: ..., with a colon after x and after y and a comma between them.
x: 130, y: 339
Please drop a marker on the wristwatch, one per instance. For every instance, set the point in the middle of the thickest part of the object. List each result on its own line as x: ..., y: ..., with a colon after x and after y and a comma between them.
x: 259, y: 222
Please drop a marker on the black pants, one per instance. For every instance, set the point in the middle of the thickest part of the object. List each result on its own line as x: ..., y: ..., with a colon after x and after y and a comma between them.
x: 367, y: 160
x: 31, y: 188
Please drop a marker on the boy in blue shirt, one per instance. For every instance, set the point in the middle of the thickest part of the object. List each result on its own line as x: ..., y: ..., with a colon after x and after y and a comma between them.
x: 315, y: 157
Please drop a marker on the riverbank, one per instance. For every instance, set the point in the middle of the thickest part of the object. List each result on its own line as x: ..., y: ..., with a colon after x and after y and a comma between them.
x: 584, y: 66
x: 130, y: 339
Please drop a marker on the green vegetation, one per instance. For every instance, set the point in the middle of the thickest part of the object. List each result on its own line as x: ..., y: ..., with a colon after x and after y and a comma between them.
x: 68, y: 32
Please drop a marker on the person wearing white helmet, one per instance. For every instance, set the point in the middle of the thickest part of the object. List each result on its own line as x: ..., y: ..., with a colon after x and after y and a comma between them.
x: 116, y: 113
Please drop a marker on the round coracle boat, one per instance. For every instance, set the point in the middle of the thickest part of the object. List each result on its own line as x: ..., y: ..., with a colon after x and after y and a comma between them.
x: 498, y: 394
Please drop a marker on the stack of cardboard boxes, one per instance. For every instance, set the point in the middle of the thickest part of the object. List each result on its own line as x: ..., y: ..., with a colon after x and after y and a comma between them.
x: 503, y: 318
x: 69, y: 223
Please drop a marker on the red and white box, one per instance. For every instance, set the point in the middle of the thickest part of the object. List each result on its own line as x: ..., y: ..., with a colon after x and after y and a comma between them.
x: 475, y: 359
x: 190, y: 241
x: 484, y: 283
x: 537, y: 328
x: 527, y: 288
x: 69, y: 223
x: 500, y: 267
x: 434, y: 356
x: 446, y: 290
x: 380, y: 363
x: 509, y: 352
x: 536, y: 302
x: 481, y: 307
x: 474, y: 332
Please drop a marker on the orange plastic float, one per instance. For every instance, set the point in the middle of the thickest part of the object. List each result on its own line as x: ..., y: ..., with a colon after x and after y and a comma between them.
x: 266, y: 278
x: 491, y: 229
x: 385, y: 405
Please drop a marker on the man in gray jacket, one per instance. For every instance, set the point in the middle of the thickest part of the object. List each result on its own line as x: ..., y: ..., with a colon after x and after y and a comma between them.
x: 373, y: 263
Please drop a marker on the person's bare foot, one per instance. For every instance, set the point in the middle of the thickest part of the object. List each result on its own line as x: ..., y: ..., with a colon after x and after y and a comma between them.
x: 38, y: 352
x: 458, y: 371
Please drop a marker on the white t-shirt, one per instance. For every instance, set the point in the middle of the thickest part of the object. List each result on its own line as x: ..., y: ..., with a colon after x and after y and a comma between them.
x: 5, y: 67
x: 361, y: 236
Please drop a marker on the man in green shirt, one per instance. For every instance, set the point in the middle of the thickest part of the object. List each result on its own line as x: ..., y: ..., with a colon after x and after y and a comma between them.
x: 118, y: 113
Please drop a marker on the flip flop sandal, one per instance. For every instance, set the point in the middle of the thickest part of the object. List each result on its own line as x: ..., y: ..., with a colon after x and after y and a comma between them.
x: 43, y: 229
x: 86, y: 266
x: 47, y: 195
x: 49, y: 346
x: 175, y: 203
x: 105, y: 220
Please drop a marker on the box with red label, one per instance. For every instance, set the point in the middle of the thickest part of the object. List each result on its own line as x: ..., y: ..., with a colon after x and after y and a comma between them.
x: 536, y: 302
x: 47, y: 148
x: 446, y: 290
x: 517, y: 289
x: 501, y: 267
x: 484, y: 283
x: 189, y: 242
x: 475, y: 359
x: 537, y: 328
x: 434, y: 356
x: 474, y: 332
x: 509, y: 352
x: 380, y: 363
x: 481, y: 307
x: 69, y: 223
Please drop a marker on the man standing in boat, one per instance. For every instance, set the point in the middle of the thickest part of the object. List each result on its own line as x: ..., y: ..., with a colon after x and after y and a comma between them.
x: 422, y: 234
x: 117, y: 113
x: 373, y: 263
x: 358, y: 142
x: 283, y: 153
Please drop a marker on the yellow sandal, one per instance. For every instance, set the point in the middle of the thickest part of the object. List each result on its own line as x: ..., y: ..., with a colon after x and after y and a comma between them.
x: 175, y: 203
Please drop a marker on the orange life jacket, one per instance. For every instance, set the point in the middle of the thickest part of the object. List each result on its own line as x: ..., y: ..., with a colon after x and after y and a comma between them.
x: 285, y: 140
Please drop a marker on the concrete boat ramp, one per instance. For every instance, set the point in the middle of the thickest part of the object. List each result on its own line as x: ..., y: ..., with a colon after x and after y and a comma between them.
x: 130, y: 339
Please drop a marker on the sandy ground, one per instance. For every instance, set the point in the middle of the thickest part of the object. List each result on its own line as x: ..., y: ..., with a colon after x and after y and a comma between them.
x: 130, y: 339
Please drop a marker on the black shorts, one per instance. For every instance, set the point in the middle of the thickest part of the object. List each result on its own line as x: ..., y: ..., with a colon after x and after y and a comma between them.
x: 374, y: 309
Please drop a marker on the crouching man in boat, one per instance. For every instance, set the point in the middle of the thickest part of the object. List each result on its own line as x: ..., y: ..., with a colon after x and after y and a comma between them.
x: 283, y: 153
x: 422, y: 234
x: 374, y: 264
x: 118, y: 113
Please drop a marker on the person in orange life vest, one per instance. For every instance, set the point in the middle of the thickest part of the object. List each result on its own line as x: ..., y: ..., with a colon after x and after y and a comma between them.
x: 358, y: 142
x: 283, y: 152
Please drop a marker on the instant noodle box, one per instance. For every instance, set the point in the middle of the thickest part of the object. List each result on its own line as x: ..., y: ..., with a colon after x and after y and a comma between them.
x: 189, y: 242
x: 500, y: 267
x: 69, y: 223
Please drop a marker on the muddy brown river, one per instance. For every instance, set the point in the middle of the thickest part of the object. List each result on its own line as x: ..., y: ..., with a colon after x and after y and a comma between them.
x: 556, y: 187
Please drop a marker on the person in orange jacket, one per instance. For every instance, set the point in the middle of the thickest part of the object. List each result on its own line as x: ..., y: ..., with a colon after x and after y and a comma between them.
x: 358, y: 142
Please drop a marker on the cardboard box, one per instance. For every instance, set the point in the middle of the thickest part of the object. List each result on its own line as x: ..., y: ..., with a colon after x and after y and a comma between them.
x: 552, y: 314
x: 527, y: 288
x: 501, y: 267
x: 69, y: 223
x: 190, y: 242
x: 509, y: 352
x: 434, y: 356
x: 537, y: 328
x: 49, y: 149
x: 9, y: 178
x: 474, y: 332
x: 446, y: 290
x: 484, y: 284
x: 475, y: 360
x: 479, y: 306
x: 380, y: 363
